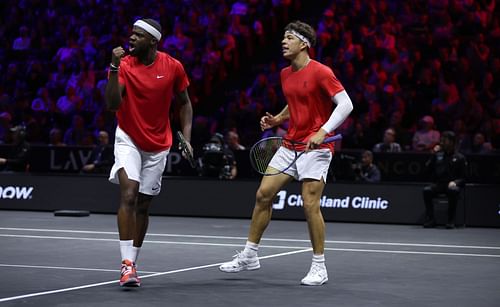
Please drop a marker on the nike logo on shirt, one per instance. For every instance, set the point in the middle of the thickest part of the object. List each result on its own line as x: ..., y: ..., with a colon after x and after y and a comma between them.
x: 159, y: 76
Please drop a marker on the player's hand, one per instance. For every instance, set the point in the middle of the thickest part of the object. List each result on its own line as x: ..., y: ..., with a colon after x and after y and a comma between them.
x: 268, y: 121
x: 316, y: 140
x: 117, y: 55
x: 189, y: 147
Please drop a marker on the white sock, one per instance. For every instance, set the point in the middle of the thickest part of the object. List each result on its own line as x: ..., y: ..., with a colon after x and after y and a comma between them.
x: 126, y: 249
x: 251, y: 249
x: 319, y: 259
x: 135, y: 253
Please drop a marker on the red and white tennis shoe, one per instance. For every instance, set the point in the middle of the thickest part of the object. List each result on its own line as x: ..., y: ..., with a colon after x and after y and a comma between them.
x: 129, y: 276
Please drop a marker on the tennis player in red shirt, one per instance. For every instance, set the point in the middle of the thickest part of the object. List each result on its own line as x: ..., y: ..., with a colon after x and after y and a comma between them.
x: 140, y: 89
x: 316, y: 105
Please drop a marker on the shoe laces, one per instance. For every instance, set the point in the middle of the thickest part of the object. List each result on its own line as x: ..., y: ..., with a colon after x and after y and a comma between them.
x: 127, y: 269
x: 316, y: 269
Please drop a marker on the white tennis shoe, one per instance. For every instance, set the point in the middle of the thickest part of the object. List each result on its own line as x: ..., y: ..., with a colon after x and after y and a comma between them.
x: 240, y: 262
x: 317, y: 275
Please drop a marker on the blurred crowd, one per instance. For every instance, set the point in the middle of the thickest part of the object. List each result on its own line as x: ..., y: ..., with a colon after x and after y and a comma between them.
x: 412, y: 68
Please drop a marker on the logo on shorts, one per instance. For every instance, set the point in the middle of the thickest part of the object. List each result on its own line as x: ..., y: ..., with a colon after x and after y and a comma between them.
x: 156, y: 188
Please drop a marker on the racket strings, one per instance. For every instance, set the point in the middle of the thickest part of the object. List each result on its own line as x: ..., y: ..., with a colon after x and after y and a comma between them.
x: 263, y: 152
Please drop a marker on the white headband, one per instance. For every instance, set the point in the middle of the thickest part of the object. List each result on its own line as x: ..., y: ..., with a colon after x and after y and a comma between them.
x: 148, y: 28
x: 300, y: 36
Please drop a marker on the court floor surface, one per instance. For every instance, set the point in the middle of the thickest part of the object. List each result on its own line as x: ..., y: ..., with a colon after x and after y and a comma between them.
x: 48, y: 260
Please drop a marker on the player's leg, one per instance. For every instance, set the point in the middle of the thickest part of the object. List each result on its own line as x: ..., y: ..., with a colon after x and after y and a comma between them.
x: 313, y: 170
x: 261, y: 215
x: 126, y: 228
x: 311, y: 195
x: 142, y: 218
x: 126, y: 172
x: 248, y: 259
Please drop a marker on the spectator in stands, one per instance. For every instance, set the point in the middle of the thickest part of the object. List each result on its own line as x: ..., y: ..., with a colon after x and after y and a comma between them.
x: 425, y: 138
x: 17, y: 159
x: 366, y: 171
x: 479, y: 145
x: 447, y: 168
x: 56, y: 137
x: 102, y: 156
x: 23, y: 42
x: 76, y: 134
x: 388, y: 143
x: 233, y: 141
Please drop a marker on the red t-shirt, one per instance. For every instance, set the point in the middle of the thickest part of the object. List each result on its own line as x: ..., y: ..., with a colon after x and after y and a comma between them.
x: 309, y: 93
x: 144, y: 110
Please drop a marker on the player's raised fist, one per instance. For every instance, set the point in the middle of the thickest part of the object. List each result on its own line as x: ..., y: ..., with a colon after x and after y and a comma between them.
x: 117, y: 55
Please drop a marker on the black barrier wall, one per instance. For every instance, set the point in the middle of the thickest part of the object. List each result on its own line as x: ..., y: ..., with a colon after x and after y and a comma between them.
x: 375, y: 203
x: 394, y: 167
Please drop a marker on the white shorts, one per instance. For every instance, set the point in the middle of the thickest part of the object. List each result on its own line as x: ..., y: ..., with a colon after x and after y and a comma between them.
x: 310, y: 165
x: 144, y: 167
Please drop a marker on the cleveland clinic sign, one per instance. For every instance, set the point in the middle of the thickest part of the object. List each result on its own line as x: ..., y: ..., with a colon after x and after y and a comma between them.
x: 355, y: 202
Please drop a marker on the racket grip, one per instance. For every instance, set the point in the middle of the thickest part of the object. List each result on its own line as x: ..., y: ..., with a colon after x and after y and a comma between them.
x: 334, y: 138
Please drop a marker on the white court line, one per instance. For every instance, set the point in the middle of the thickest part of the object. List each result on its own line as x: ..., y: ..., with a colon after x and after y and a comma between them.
x: 143, y: 277
x: 264, y: 239
x: 63, y: 268
x: 410, y: 252
x: 261, y: 245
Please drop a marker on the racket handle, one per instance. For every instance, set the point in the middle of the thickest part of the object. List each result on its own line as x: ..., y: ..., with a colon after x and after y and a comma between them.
x: 334, y: 138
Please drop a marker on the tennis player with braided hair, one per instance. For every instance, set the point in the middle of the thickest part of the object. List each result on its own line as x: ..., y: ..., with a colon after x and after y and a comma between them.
x: 316, y: 105
x: 140, y: 89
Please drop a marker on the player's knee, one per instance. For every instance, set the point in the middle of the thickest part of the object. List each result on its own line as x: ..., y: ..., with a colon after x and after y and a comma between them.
x: 128, y: 198
x: 263, y: 196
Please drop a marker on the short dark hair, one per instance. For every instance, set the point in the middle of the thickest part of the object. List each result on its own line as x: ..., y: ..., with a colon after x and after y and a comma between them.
x: 304, y: 29
x: 449, y: 135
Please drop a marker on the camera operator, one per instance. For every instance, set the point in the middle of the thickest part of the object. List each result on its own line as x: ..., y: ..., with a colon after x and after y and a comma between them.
x: 218, y: 159
x: 366, y: 171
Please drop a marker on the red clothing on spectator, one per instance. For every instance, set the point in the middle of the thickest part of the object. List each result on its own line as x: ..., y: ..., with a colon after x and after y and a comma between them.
x: 144, y: 110
x: 309, y: 93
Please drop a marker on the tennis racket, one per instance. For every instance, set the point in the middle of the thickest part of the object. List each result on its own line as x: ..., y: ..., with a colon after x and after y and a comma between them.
x: 263, y: 151
x: 185, y: 149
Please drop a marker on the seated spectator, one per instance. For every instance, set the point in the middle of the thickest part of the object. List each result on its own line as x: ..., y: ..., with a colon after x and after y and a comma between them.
x: 56, y: 137
x: 22, y: 42
x: 102, y: 156
x: 233, y: 141
x: 17, y: 159
x: 366, y: 171
x: 388, y: 143
x: 76, y: 134
x: 478, y: 146
x: 447, y: 169
x: 425, y: 138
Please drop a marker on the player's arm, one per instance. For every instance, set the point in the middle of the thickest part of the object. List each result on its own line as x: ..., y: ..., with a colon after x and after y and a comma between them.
x: 114, y: 90
x: 268, y: 121
x: 342, y: 110
x: 185, y: 113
